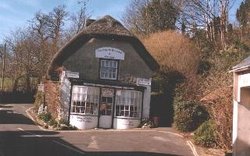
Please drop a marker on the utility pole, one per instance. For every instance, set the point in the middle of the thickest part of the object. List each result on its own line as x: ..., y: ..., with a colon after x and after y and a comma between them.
x: 3, y: 66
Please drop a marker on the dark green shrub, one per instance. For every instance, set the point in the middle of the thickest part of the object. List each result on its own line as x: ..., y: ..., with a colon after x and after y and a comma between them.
x: 46, y: 117
x: 189, y: 115
x: 205, y: 135
x: 53, y: 122
x: 63, y: 121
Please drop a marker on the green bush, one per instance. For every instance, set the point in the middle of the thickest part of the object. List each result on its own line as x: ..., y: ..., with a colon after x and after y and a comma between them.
x: 46, y: 117
x: 63, y: 121
x: 52, y: 122
x: 189, y: 115
x: 205, y: 135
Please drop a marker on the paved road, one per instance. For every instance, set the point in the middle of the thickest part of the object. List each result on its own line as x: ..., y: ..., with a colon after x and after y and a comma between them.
x: 20, y: 137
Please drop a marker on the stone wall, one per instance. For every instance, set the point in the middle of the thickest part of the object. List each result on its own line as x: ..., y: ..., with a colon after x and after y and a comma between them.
x: 52, y: 100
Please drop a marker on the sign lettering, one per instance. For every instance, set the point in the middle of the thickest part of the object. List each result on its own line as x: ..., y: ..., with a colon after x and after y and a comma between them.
x: 109, y: 53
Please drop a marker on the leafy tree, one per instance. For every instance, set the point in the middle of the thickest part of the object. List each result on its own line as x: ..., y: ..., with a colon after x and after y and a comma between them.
x: 79, y: 18
x: 243, y: 13
x: 210, y: 15
x: 145, y: 17
x: 56, y: 20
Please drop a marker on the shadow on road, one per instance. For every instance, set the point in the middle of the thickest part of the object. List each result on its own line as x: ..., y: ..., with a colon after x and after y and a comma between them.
x: 15, y: 141
x: 11, y: 117
x: 16, y: 97
x: 41, y: 143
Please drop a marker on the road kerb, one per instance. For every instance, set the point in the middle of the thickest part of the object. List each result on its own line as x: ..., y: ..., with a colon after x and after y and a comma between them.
x: 31, y: 117
x: 190, y: 144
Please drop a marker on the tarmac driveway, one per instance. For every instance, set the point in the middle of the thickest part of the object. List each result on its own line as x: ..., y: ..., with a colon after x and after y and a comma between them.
x: 19, y: 136
x: 129, y: 142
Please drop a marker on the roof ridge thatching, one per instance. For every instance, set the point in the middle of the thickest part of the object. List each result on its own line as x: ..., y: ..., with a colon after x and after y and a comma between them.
x: 109, y: 25
x: 104, y: 28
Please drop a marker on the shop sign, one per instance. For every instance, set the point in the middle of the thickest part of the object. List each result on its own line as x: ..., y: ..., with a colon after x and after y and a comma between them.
x: 84, y: 119
x: 106, y: 92
x: 70, y: 74
x: 143, y: 82
x: 40, y: 87
x: 109, y: 53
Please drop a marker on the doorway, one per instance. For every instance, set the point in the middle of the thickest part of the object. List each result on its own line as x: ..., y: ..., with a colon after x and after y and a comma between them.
x: 106, y: 108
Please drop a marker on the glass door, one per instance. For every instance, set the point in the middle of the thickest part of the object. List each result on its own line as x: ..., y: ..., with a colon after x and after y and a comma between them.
x: 106, y: 107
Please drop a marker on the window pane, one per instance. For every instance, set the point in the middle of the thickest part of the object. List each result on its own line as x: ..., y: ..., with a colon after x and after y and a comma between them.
x: 86, y: 100
x: 129, y: 102
x: 108, y: 69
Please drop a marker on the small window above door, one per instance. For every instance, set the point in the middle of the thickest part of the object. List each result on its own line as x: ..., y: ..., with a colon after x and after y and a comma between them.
x: 108, y: 69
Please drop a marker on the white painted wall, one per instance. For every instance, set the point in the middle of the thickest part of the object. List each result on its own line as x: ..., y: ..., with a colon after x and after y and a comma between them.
x: 235, y: 121
x: 83, y: 122
x: 243, y: 80
x: 146, y: 96
x: 122, y: 123
x: 105, y: 121
x: 241, y: 116
x: 146, y: 102
x: 64, y: 97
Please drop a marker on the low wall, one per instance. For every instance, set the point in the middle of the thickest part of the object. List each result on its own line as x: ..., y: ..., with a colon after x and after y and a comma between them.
x: 52, y: 100
x: 83, y: 121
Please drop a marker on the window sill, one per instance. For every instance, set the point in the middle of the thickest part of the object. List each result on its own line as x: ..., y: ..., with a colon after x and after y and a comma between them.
x: 82, y: 114
x: 130, y: 118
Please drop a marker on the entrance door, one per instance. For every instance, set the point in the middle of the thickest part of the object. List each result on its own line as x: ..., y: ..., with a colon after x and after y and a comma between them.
x: 106, y: 108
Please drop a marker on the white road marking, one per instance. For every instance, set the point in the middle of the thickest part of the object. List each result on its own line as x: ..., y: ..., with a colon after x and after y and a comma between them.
x: 191, y: 145
x: 30, y: 134
x: 27, y: 112
x: 20, y: 129
x: 93, y: 143
x: 71, y: 148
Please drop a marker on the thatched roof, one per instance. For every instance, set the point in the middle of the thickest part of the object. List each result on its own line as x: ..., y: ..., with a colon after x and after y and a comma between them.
x: 242, y: 66
x: 104, y: 28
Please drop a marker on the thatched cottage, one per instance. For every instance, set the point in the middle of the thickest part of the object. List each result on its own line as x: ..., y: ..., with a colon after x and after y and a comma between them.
x: 101, y: 78
x: 241, y: 109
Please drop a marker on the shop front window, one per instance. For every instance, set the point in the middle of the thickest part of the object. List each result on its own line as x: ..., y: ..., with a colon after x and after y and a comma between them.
x: 128, y: 103
x: 85, y: 100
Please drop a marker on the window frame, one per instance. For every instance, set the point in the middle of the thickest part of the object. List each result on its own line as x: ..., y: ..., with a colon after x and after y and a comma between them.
x: 132, y: 109
x: 89, y: 105
x: 117, y: 69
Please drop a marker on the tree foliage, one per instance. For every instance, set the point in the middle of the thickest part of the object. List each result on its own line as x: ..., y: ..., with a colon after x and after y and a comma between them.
x: 210, y: 15
x: 243, y: 13
x: 30, y: 49
x: 174, y: 52
x: 78, y: 19
x: 150, y: 16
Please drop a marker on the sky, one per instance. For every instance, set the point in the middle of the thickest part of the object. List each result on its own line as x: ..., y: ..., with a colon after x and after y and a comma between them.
x: 16, y: 13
